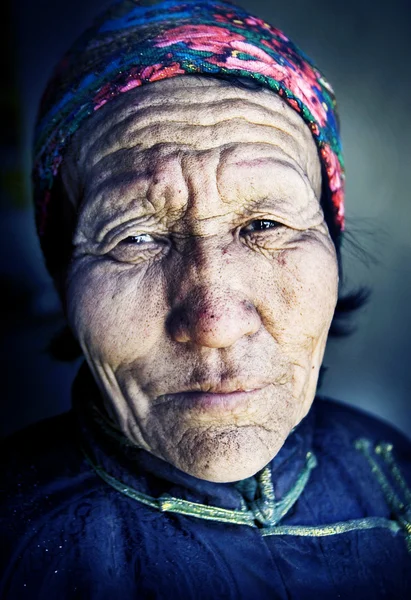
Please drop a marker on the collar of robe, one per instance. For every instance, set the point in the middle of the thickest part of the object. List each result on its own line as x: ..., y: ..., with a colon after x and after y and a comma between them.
x: 258, y: 501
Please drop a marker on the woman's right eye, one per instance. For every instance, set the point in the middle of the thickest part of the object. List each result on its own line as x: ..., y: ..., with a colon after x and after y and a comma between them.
x: 138, y: 248
x: 142, y: 238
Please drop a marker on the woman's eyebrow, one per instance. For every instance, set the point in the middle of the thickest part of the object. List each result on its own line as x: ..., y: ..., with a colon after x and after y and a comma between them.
x: 296, y: 175
x: 271, y: 161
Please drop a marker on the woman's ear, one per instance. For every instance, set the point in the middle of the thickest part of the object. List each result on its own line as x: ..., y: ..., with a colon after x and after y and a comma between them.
x: 58, y: 249
x: 56, y: 242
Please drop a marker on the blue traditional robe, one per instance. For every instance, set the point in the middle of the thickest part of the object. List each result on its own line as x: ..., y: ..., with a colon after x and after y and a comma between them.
x: 87, y: 515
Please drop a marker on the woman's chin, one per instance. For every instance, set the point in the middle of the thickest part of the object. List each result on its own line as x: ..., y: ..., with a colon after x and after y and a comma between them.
x: 223, y: 456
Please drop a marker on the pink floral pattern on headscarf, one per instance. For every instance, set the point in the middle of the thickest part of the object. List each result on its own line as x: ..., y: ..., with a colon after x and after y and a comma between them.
x: 226, y: 47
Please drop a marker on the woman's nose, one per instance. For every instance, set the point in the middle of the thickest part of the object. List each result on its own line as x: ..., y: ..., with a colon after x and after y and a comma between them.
x: 213, y: 318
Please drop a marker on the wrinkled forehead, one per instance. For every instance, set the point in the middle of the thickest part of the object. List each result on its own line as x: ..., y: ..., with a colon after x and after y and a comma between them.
x: 188, y: 115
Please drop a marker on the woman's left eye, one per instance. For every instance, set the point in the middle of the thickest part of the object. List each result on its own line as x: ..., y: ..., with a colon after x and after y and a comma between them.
x: 260, y: 225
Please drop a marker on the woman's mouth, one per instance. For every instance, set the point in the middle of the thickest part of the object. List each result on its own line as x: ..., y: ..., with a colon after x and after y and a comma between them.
x: 212, y: 400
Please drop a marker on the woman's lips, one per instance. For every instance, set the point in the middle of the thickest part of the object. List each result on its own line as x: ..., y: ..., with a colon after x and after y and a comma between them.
x: 211, y: 401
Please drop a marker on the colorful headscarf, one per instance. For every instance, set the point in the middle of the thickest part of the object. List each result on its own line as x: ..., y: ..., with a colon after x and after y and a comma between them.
x: 137, y: 42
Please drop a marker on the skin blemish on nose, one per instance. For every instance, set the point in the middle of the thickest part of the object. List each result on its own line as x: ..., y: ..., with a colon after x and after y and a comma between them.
x: 281, y: 260
x: 248, y: 306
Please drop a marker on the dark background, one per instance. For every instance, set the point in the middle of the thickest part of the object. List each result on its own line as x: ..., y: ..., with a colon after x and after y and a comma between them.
x: 364, y: 48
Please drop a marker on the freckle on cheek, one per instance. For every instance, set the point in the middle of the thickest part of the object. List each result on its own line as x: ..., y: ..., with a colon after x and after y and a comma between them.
x: 288, y: 296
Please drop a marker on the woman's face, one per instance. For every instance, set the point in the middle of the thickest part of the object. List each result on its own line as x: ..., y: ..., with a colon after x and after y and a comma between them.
x: 204, y: 278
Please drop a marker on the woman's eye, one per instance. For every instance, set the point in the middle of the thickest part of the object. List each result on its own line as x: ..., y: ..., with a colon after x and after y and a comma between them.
x: 260, y: 225
x: 138, y: 248
x: 142, y: 238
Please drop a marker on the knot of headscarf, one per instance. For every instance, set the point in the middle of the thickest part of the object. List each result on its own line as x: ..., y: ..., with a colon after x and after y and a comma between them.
x: 135, y: 43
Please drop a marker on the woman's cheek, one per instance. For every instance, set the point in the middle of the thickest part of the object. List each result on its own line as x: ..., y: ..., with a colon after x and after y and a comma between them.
x: 113, y: 312
x: 318, y: 274
x: 306, y: 280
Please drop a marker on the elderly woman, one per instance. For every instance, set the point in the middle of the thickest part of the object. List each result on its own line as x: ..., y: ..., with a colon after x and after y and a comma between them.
x: 188, y: 182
